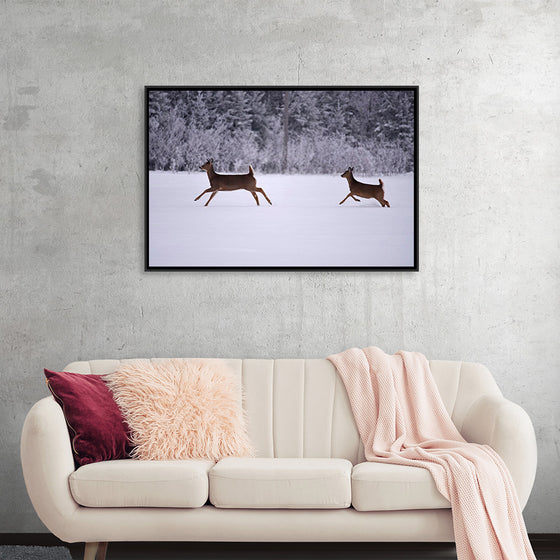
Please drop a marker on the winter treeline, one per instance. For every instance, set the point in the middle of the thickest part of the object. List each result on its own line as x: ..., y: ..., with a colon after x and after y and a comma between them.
x: 282, y: 131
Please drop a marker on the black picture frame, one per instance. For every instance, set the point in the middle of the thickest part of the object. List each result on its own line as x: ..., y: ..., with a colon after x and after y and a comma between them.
x: 174, y: 135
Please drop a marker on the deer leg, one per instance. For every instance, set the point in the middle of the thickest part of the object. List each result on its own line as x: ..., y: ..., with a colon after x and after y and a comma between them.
x: 386, y: 203
x: 202, y: 193
x: 356, y: 199
x: 348, y: 195
x: 255, y: 197
x: 211, y: 197
x: 264, y: 194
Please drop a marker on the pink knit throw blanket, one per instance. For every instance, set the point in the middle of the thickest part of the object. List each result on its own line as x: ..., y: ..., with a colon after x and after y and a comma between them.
x: 402, y: 420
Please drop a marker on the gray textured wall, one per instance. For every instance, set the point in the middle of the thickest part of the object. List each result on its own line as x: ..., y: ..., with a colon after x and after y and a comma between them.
x: 71, y: 181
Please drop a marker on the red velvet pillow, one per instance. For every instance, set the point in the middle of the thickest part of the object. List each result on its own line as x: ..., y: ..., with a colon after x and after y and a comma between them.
x: 95, y: 423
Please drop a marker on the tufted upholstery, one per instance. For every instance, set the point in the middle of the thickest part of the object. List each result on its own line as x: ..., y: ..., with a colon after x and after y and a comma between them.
x: 295, y: 409
x: 299, y: 408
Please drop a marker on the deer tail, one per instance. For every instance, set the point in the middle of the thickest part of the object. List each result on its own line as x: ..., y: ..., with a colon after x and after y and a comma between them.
x: 251, y: 172
x: 380, y: 182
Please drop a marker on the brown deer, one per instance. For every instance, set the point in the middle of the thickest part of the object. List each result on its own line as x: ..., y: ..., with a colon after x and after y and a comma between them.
x: 364, y: 190
x: 219, y: 182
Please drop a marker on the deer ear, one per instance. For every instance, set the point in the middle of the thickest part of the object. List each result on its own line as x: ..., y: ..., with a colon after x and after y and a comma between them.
x: 211, y: 160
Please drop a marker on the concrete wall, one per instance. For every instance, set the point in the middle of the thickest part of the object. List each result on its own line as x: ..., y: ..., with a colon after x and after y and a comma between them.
x: 71, y: 181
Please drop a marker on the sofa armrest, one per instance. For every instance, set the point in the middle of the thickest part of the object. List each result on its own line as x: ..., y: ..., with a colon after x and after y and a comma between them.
x: 507, y: 428
x: 47, y: 461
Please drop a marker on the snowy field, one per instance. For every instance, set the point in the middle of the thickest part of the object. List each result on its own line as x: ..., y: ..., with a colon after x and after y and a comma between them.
x: 304, y: 227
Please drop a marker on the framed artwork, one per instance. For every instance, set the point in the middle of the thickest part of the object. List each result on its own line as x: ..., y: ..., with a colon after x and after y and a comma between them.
x: 281, y: 177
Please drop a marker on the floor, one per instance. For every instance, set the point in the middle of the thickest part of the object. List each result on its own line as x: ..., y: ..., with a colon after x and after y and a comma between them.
x: 545, y: 549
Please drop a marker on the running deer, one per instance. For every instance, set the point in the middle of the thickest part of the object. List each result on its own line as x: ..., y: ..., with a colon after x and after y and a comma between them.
x: 219, y: 182
x: 364, y: 190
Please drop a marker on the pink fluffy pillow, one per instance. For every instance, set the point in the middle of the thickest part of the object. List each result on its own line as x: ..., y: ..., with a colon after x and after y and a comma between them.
x: 181, y: 409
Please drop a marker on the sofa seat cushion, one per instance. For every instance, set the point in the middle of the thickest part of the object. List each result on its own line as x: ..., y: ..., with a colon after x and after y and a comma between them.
x: 382, y: 487
x: 281, y: 483
x: 136, y: 483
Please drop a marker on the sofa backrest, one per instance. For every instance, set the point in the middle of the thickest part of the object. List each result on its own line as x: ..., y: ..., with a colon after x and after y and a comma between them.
x: 299, y: 408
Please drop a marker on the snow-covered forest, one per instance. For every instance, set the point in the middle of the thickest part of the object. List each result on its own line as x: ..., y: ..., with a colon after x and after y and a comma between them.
x: 294, y: 131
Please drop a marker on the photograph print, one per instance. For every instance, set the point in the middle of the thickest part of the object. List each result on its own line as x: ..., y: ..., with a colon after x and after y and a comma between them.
x: 285, y: 178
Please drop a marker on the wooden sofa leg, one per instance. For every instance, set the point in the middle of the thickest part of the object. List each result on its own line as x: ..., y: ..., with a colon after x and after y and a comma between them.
x: 90, y: 551
x: 102, y: 550
x: 95, y: 551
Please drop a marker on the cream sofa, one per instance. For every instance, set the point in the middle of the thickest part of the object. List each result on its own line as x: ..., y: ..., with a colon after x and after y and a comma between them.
x: 309, y: 481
